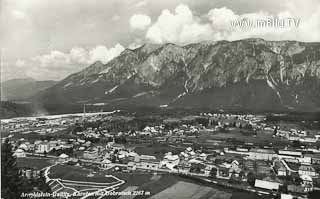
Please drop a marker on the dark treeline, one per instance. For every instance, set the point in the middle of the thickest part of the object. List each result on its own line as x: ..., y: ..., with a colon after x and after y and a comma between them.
x: 13, y: 182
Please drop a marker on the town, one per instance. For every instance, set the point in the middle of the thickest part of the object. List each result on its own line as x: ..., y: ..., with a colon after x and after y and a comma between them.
x: 245, y: 152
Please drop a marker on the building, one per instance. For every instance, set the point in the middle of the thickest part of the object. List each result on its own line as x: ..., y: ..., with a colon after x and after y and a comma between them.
x: 118, y: 147
x: 148, y: 164
x: 90, y: 154
x: 147, y: 157
x: 223, y: 172
x: 24, y: 147
x: 307, y: 183
x: 295, y: 189
x: 235, y: 168
x: 266, y: 184
x: 30, y: 173
x: 309, y: 139
x: 43, y: 147
x: 184, y: 167
x: 19, y: 153
x: 105, y: 163
x: 307, y: 170
x: 288, y: 154
x: 315, y: 158
x: 262, y: 167
x: 286, y: 196
x: 262, y: 154
x: 63, y: 157
x: 280, y: 169
x: 170, y: 160
x: 131, y: 166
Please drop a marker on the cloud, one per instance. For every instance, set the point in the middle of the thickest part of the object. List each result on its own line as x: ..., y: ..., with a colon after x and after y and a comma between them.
x: 133, y: 46
x: 115, y: 17
x: 78, y: 55
x: 178, y: 27
x: 20, y: 63
x: 18, y: 14
x: 58, y: 64
x: 140, y: 21
x: 54, y: 59
x: 141, y: 4
x: 184, y: 26
x: 103, y: 54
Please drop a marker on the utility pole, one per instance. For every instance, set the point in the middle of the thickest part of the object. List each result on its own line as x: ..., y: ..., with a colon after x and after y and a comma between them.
x: 1, y: 65
x: 84, y: 110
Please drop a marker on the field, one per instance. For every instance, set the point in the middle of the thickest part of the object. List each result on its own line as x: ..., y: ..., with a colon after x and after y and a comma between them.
x: 79, y: 181
x: 157, y: 150
x: 77, y: 173
x: 262, y: 137
x: 34, y: 162
x: 189, y: 190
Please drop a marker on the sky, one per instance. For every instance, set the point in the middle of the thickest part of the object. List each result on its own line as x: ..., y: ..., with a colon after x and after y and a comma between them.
x: 49, y: 40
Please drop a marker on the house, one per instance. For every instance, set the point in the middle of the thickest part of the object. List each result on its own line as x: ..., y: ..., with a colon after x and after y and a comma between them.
x: 118, y: 146
x: 280, y: 169
x: 309, y: 139
x: 63, y: 157
x: 184, y: 167
x: 305, y: 160
x: 266, y: 184
x: 73, y: 161
x: 289, y: 154
x: 54, y: 144
x: 234, y: 168
x: 148, y: 164
x: 43, y: 147
x: 223, y: 172
x: 262, y: 154
x: 105, y: 163
x: 295, y: 189
x: 24, y: 147
x: 147, y: 157
x: 307, y: 170
x: 19, y: 153
x: 293, y: 138
x: 307, y: 183
x: 315, y: 158
x: 90, y: 154
x: 188, y: 150
x: 203, y: 156
x: 262, y: 167
x: 170, y: 160
x: 208, y: 169
x: 286, y: 196
x: 131, y: 166
x: 30, y: 173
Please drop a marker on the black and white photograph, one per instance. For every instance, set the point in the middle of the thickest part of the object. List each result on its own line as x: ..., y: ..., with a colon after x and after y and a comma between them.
x: 160, y: 99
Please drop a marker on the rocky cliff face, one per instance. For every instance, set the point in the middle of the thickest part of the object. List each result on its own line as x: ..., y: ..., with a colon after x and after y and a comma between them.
x: 251, y: 74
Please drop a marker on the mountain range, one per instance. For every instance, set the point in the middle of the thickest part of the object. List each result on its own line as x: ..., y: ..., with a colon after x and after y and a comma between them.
x: 249, y: 74
x: 23, y: 89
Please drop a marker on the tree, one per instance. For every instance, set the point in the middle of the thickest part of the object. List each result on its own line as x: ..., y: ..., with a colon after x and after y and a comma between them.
x: 213, y: 172
x: 275, y: 131
x: 11, y: 180
x: 251, y: 178
x: 314, y: 195
x: 296, y: 144
x: 233, y: 179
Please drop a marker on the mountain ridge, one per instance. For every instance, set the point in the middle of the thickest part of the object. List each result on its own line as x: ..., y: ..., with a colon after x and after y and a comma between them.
x: 270, y: 74
x: 23, y: 88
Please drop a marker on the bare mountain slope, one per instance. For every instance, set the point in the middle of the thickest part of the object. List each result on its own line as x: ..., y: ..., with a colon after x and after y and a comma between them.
x: 251, y: 74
